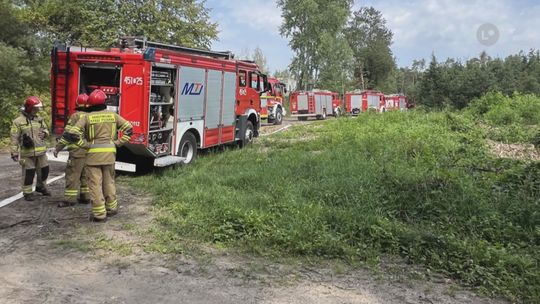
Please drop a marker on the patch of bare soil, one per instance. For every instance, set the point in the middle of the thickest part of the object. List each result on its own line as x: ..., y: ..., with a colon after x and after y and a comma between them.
x: 55, y: 255
x: 514, y: 151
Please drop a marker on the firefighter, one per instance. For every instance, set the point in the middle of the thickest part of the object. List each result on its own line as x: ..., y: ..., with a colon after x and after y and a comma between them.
x: 97, y: 131
x: 75, y: 176
x: 28, y: 146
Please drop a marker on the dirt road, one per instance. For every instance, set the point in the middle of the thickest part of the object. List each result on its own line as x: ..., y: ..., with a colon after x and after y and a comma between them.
x: 287, y: 122
x: 53, y: 255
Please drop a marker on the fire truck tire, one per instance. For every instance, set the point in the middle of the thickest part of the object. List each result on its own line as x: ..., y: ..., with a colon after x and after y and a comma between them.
x: 248, y: 134
x: 279, y: 117
x: 188, y: 147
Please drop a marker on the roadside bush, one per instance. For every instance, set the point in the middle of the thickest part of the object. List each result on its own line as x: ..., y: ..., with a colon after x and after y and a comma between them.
x: 512, y: 119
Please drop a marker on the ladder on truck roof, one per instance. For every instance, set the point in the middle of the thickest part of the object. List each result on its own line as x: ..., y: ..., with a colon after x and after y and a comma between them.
x: 143, y: 44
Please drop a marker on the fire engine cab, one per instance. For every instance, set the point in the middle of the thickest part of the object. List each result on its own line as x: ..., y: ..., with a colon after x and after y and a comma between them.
x: 315, y: 103
x: 362, y: 101
x: 272, y: 102
x: 177, y: 99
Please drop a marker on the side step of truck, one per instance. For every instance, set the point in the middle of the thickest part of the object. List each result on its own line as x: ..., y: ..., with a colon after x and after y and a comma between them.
x: 120, y: 166
x: 168, y: 160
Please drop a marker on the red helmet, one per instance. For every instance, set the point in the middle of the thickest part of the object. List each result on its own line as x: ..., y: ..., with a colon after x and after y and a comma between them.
x: 32, y: 102
x: 97, y: 97
x: 81, y: 101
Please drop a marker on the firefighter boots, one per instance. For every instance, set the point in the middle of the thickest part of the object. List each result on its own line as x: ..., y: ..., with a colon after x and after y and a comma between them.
x: 43, y: 191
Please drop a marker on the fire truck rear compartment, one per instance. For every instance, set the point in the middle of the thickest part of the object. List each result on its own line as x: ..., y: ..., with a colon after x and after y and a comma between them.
x: 103, y: 77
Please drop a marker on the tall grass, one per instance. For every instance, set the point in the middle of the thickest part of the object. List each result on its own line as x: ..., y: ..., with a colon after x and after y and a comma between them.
x: 418, y: 185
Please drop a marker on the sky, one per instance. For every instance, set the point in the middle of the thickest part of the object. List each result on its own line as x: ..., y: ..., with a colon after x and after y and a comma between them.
x: 446, y: 28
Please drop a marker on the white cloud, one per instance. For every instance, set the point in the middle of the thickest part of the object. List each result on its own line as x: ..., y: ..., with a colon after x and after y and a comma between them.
x: 256, y: 14
x: 247, y: 24
x: 420, y: 27
x: 449, y: 28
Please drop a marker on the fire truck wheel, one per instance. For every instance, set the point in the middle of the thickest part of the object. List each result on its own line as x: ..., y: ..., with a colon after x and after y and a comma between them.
x: 248, y: 135
x: 279, y: 117
x: 188, y: 147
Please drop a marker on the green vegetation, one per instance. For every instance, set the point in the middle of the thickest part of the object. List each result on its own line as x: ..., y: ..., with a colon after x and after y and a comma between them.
x: 513, y: 119
x: 29, y: 29
x: 75, y: 245
x: 455, y: 83
x: 420, y: 185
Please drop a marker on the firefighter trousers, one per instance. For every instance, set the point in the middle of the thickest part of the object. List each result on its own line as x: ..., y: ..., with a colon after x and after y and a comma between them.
x: 32, y: 166
x: 76, y: 186
x: 100, y: 180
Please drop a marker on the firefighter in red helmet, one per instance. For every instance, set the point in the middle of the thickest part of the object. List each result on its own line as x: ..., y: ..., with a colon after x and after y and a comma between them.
x: 76, y: 188
x: 28, y: 146
x: 97, y: 131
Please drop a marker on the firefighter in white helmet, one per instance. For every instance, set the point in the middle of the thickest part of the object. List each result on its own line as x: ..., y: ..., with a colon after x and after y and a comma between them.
x: 28, y: 146
x: 76, y: 188
x: 98, y: 132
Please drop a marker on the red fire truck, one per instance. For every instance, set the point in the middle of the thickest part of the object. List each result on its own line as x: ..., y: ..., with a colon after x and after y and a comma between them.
x: 396, y: 102
x: 177, y: 99
x: 362, y: 101
x: 272, y: 102
x: 315, y: 103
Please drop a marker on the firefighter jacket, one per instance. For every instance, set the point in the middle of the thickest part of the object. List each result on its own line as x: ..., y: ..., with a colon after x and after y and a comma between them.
x: 98, y: 133
x: 74, y: 150
x: 25, y: 136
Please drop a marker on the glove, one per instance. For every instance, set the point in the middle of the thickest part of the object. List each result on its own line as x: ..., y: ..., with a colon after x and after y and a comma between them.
x: 15, y: 157
x: 55, y: 153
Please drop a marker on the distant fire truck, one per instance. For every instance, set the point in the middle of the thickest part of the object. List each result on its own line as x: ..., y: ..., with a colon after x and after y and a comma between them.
x: 177, y: 99
x: 396, y: 102
x: 272, y: 102
x: 315, y: 103
x: 362, y: 101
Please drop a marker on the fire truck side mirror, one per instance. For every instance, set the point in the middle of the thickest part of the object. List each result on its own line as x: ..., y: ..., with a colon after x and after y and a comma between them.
x: 267, y: 87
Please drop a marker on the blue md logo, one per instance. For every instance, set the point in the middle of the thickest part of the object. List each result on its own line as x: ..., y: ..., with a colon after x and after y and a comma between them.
x: 194, y: 88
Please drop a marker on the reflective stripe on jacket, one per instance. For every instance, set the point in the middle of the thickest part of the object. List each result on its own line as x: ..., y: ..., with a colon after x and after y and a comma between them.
x: 100, y: 130
x: 25, y: 139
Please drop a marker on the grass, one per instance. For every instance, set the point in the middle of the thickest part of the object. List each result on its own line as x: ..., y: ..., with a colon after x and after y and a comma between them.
x: 75, y: 245
x: 422, y: 186
x: 111, y: 245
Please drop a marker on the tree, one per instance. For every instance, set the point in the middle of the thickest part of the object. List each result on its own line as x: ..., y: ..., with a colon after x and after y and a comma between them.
x: 370, y: 40
x: 430, y: 89
x: 260, y: 60
x: 335, y: 70
x: 314, y: 28
x: 22, y: 68
x: 99, y: 23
